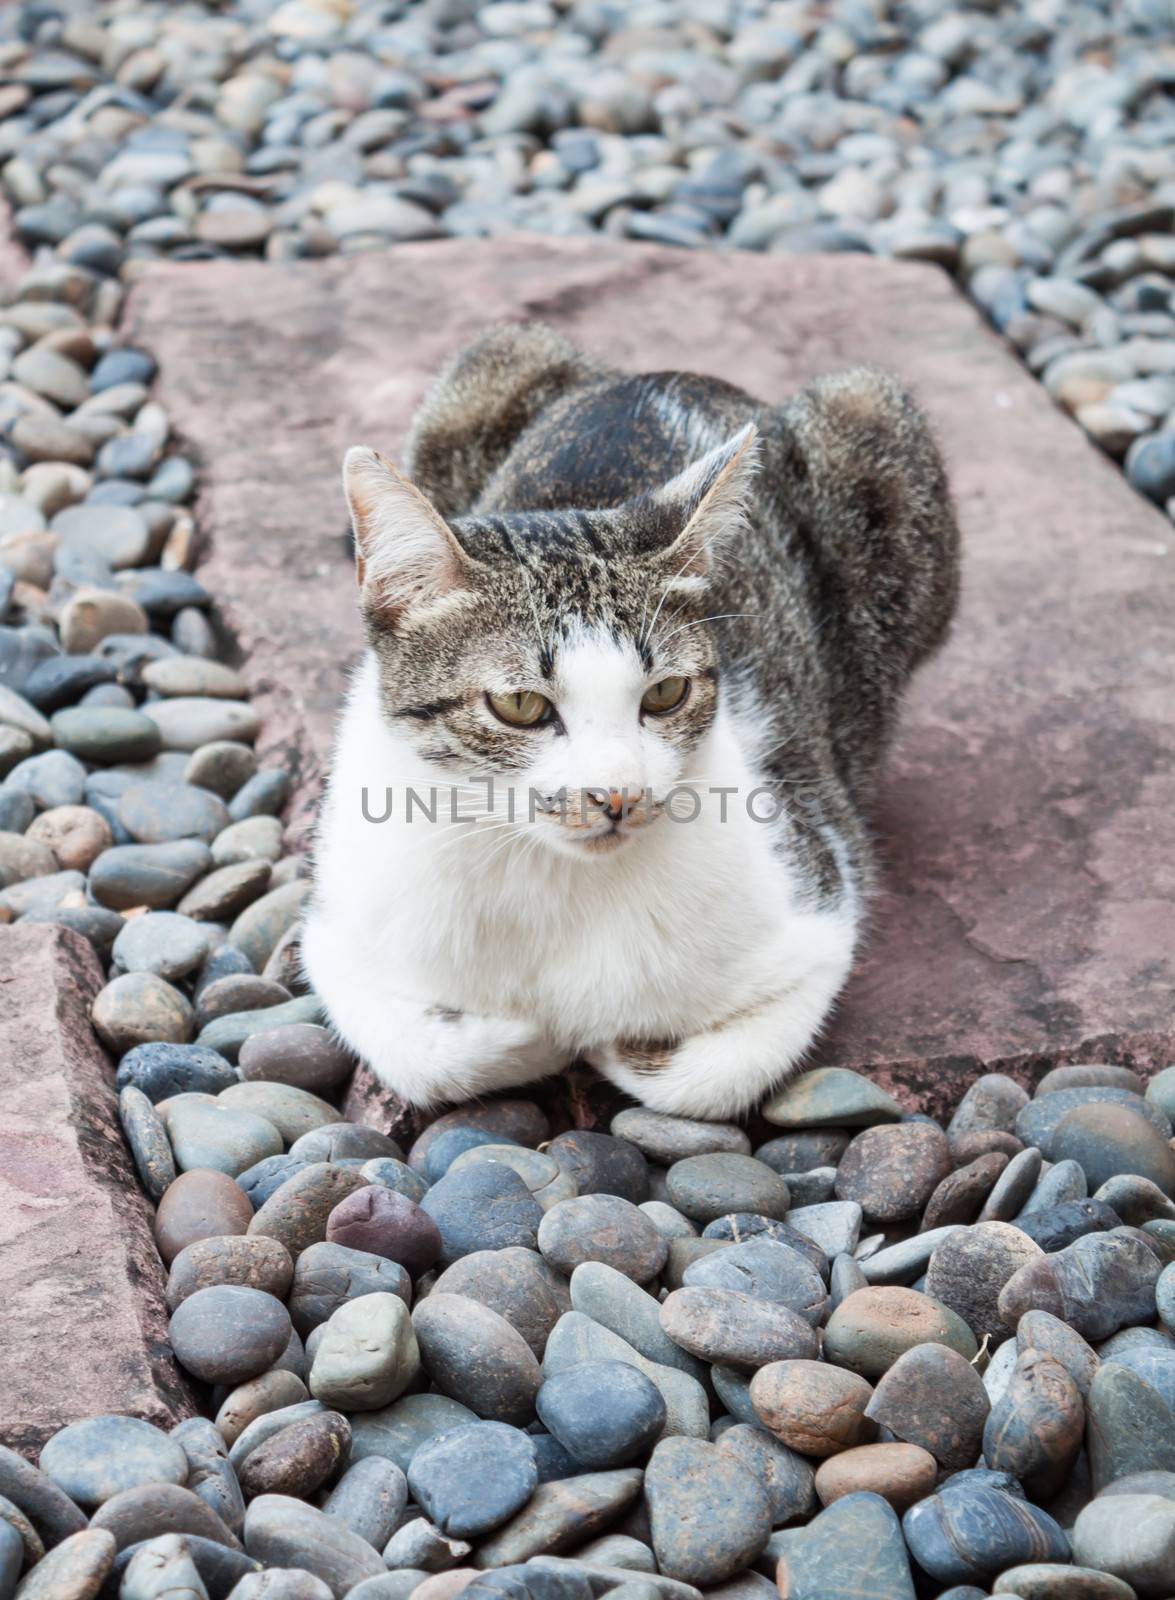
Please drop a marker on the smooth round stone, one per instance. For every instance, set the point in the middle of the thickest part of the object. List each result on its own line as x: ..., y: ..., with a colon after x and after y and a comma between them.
x: 1108, y: 1140
x: 1035, y: 1428
x: 1040, y: 1118
x: 969, y: 1533
x: 213, y: 1135
x: 258, y: 1263
x: 483, y: 1208
x: 229, y: 1333
x: 1060, y: 1226
x: 576, y: 1338
x: 873, y: 1327
x: 297, y: 1212
x: 961, y: 1193
x: 1012, y: 1189
x: 603, y: 1413
x: 792, y: 1154
x: 118, y: 534
x: 517, y: 1284
x: 418, y: 1544
x: 154, y: 875
x: 765, y: 1269
x: 601, y: 1227
x: 736, y: 1329
x: 1051, y: 1581
x: 447, y: 1149
x: 328, y: 1275
x: 1089, y: 1075
x: 161, y: 1070
x: 299, y: 1459
x: 384, y: 1223
x: 968, y: 1271
x: 160, y: 942
x: 260, y: 927
x: 740, y: 1226
x: 254, y: 839
x: 831, y: 1097
x: 992, y: 1103
x: 367, y: 1355
x: 1132, y: 1537
x: 670, y: 1224
x: 102, y: 1456
x: 266, y: 1177
x: 709, y: 1515
x: 1131, y: 1418
x: 600, y: 1164
x: 185, y: 722
x: 891, y: 1172
x: 1039, y: 1330
x: 1098, y: 1284
x: 787, y: 1477
x: 52, y: 779
x: 228, y: 1034
x: 396, y: 1433
x: 263, y: 796
x: 474, y: 1478
x: 239, y: 992
x: 257, y: 1400
x: 148, y: 1141
x: 519, y: 1121
x: 473, y: 1355
x: 282, y: 1531
x: 139, y: 1007
x: 75, y: 1570
x: 104, y: 735
x: 900, y: 1473
x: 706, y: 1187
x: 292, y: 1112
x: 225, y: 893
x: 815, y: 1408
x: 301, y: 1054
x: 541, y: 1176
x: 159, y: 812
x: 166, y: 1566
x: 76, y: 835
x: 222, y: 766
x: 1064, y: 1181
x: 193, y: 675
x: 199, y: 1205
x: 833, y: 1225
x: 397, y: 1175
x: 152, y: 1509
x: 341, y: 1141
x: 933, y: 1397
x: 852, y: 1548
x: 666, y: 1139
x: 1136, y: 1200
x: 369, y: 1499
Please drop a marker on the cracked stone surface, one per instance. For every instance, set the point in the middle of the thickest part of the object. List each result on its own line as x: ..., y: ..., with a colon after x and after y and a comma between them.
x: 83, y: 1325
x: 1028, y: 818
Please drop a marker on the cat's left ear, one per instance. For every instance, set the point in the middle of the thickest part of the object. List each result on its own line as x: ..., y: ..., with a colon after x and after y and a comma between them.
x: 708, y: 503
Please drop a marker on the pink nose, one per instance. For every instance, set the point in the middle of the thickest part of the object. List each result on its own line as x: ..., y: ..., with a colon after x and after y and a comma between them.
x: 616, y: 803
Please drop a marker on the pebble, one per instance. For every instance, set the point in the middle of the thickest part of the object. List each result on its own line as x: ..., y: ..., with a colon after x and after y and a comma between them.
x: 474, y: 1356
x: 95, y: 1459
x: 209, y: 1134
x: 210, y: 1473
x: 601, y: 1227
x: 1107, y: 1141
x: 299, y: 1459
x: 765, y: 1269
x: 367, y: 1355
x: 1036, y: 1428
x: 297, y: 1212
x: 1040, y: 1118
x: 229, y: 1333
x: 969, y: 1531
x: 328, y: 1275
x: 282, y: 1531
x: 147, y: 1139
x: 933, y: 1397
x: 293, y: 1112
x: 891, y: 1172
x: 709, y: 1186
x: 831, y: 1097
x: 1098, y: 1284
x: 138, y: 1008
x: 561, y: 1515
x: 154, y: 875
x: 302, y: 1054
x: 369, y: 1499
x: 597, y: 1163
x: 968, y: 1271
x: 75, y: 1570
x: 160, y: 942
x: 666, y: 1139
x: 199, y: 1205
x: 812, y: 1406
x: 873, y: 1327
x: 517, y: 1284
x: 1130, y: 1536
x: 900, y: 1473
x: 483, y: 1208
x: 258, y: 1263
x: 474, y: 1478
x: 161, y: 1070
x: 708, y: 1514
x: 851, y: 1548
x: 735, y: 1329
x: 603, y: 1413
x: 384, y: 1223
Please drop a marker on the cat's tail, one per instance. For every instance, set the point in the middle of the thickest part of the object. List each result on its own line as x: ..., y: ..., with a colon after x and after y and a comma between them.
x: 488, y: 393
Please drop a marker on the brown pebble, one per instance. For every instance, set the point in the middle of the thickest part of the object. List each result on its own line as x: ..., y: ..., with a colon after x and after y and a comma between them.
x: 969, y: 1270
x: 899, y: 1473
x: 962, y: 1192
x: 299, y: 1459
x: 154, y: 1508
x: 272, y: 1391
x: 75, y: 1570
x: 892, y: 1171
x: 1036, y: 1427
x: 200, y: 1204
x: 297, y: 1212
x: 384, y: 1223
x: 257, y: 1262
x: 966, y: 1147
x: 301, y: 1053
x: 934, y: 1398
x: 816, y: 1408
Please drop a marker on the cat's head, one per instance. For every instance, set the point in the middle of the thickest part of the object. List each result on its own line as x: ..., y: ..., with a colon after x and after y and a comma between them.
x: 564, y: 654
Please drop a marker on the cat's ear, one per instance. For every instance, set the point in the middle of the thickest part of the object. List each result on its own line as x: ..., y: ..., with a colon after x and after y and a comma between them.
x: 405, y: 554
x: 707, y: 502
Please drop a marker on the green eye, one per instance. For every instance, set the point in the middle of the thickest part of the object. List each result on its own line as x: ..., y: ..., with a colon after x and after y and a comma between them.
x: 665, y: 696
x: 521, y: 708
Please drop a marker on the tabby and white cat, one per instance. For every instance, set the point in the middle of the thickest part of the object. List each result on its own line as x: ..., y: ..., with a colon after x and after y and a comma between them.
x: 650, y: 634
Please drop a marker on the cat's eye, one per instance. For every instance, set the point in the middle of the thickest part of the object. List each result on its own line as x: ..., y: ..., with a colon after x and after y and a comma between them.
x: 521, y: 708
x: 665, y: 696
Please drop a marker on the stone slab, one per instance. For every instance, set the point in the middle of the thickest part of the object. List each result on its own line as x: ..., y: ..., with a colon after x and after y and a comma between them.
x: 1028, y: 820
x: 83, y: 1326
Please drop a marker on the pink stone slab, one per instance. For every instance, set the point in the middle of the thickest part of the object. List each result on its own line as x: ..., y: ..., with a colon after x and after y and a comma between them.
x: 1028, y: 820
x: 83, y: 1326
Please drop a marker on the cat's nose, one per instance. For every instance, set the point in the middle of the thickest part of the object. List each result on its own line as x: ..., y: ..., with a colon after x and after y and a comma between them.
x: 616, y: 803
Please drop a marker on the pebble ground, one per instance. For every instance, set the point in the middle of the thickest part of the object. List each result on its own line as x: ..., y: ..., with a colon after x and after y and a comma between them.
x: 874, y: 1356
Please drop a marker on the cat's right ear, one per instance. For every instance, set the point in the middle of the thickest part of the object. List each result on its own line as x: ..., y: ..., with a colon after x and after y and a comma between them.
x: 406, y: 558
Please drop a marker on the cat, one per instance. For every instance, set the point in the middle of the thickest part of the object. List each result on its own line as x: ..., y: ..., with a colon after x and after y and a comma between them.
x: 645, y: 638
